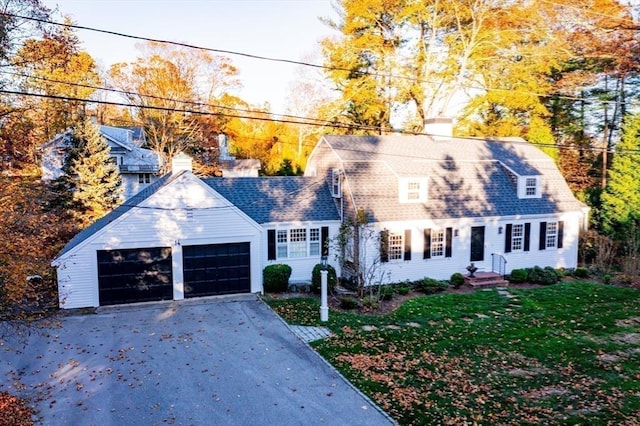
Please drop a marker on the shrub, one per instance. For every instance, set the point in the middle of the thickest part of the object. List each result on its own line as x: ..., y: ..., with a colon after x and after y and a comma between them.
x: 518, y: 276
x: 431, y: 286
x: 403, y: 289
x: 606, y: 279
x: 276, y: 278
x: 549, y: 276
x: 332, y: 279
x: 348, y: 302
x: 581, y: 273
x: 386, y: 292
x: 457, y: 279
x: 370, y: 302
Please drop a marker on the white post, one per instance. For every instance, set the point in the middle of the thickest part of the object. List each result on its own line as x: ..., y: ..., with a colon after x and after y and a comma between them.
x: 324, y: 309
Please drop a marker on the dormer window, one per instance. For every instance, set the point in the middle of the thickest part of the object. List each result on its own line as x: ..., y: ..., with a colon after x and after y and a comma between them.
x: 413, y: 190
x: 529, y: 187
x: 336, y: 184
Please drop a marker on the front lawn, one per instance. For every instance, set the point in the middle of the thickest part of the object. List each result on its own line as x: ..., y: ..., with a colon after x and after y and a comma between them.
x: 564, y: 354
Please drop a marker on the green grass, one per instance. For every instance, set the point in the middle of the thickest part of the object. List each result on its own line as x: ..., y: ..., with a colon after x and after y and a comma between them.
x: 563, y: 354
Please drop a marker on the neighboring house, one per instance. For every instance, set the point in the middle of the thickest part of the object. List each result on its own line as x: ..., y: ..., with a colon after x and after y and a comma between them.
x: 232, y: 167
x: 184, y: 237
x: 438, y: 203
x: 139, y: 167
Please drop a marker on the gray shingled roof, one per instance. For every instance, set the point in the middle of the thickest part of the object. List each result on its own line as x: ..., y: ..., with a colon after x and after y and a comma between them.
x: 117, y: 212
x: 467, y: 177
x: 278, y: 199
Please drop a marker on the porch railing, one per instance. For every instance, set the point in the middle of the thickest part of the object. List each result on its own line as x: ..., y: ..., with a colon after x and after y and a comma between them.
x: 498, y: 264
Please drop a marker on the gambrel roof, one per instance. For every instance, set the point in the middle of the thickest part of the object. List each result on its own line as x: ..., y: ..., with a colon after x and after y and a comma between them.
x: 465, y: 177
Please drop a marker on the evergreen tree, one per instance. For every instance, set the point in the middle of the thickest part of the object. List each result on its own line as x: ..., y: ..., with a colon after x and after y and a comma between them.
x: 621, y: 197
x: 93, y: 177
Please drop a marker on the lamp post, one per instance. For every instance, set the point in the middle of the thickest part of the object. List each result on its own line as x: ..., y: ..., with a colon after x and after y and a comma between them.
x: 324, y: 309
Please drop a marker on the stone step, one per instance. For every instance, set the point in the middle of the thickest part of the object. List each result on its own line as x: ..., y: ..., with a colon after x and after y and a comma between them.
x: 488, y: 283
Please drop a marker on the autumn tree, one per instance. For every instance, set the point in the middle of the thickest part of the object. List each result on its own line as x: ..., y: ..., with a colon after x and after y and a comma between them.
x: 168, y: 86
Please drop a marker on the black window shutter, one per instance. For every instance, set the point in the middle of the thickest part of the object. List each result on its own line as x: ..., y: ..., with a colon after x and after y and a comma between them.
x: 448, y: 241
x: 543, y: 236
x: 384, y: 245
x: 324, y: 237
x: 427, y: 244
x: 407, y: 244
x: 507, y: 238
x: 560, y: 233
x: 527, y: 236
x: 271, y: 244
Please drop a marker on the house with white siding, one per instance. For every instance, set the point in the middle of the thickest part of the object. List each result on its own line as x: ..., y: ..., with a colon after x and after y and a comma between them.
x: 438, y: 203
x: 138, y: 167
x: 184, y: 237
x: 434, y: 205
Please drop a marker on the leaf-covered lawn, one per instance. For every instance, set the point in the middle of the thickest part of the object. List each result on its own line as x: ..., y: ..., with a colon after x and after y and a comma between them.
x: 565, y: 354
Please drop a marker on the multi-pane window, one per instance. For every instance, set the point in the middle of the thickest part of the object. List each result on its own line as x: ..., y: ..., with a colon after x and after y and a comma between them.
x: 282, y: 246
x: 298, y: 242
x: 144, y: 178
x: 530, y: 187
x: 413, y: 190
x: 396, y: 246
x: 437, y: 243
x: 552, y: 234
x: 314, y: 242
x: 517, y: 237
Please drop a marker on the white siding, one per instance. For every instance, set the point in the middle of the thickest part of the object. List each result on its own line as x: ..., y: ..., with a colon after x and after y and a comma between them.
x: 186, y: 212
x: 442, y: 268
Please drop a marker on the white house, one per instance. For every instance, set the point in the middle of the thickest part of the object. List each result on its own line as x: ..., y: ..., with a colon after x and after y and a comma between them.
x: 434, y: 206
x: 185, y: 237
x: 437, y: 204
x: 139, y: 167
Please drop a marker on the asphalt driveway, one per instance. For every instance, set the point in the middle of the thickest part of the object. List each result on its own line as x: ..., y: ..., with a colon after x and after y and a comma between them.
x: 205, y: 362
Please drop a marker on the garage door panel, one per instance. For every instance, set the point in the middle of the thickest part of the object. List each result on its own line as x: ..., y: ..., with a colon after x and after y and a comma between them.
x: 134, y: 275
x: 216, y: 269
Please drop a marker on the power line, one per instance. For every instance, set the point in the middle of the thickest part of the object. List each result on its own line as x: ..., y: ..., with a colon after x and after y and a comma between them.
x: 289, y: 61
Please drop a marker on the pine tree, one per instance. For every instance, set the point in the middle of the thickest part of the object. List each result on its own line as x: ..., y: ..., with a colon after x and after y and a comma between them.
x: 621, y: 197
x: 94, y: 177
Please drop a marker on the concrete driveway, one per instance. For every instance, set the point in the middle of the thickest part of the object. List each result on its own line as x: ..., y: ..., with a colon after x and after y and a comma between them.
x: 204, y: 362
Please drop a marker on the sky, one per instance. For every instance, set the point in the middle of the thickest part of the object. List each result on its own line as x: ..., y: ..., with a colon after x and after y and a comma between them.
x: 284, y: 29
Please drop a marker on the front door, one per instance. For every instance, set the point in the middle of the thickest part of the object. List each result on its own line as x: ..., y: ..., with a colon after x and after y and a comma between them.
x: 477, y: 243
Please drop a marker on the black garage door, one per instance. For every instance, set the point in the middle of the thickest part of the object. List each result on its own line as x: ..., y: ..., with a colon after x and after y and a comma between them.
x: 134, y: 275
x: 216, y: 269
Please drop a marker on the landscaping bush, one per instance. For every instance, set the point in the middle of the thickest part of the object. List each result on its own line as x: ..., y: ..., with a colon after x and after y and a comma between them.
x: 348, y: 302
x: 276, y: 278
x: 606, y: 279
x: 518, y: 276
x: 457, y: 279
x: 544, y: 276
x: 403, y: 289
x: 431, y: 286
x: 332, y: 279
x: 386, y: 292
x: 581, y: 273
x: 370, y: 302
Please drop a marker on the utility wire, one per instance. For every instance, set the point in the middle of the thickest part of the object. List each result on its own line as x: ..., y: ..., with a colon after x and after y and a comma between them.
x: 289, y: 61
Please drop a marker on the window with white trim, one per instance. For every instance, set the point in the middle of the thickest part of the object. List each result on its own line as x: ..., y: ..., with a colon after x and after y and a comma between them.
x: 314, y: 242
x: 437, y: 243
x: 282, y: 246
x: 144, y: 178
x: 552, y: 234
x: 530, y: 187
x: 298, y: 242
x: 413, y: 190
x: 396, y: 246
x: 517, y: 237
